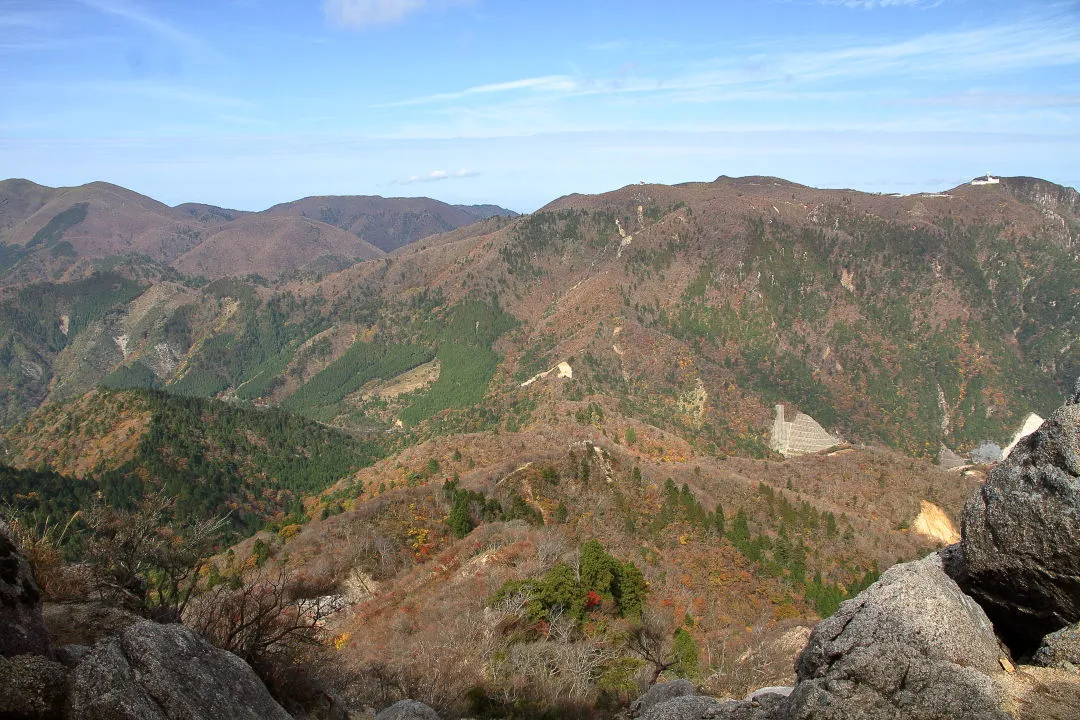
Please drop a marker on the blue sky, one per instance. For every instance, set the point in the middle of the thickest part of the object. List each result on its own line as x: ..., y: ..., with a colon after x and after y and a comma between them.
x: 246, y: 103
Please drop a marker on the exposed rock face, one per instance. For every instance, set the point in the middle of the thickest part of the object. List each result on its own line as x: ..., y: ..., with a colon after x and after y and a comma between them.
x: 158, y: 672
x: 22, y: 629
x: 1060, y: 649
x: 910, y: 646
x: 408, y: 710
x: 661, y: 692
x: 32, y: 687
x: 701, y: 707
x: 1021, y: 535
x: 683, y: 707
x: 781, y: 690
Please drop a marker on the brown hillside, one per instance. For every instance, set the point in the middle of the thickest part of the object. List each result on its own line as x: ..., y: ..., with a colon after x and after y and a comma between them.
x: 416, y: 596
x: 95, y: 433
x: 613, y: 285
x: 118, y: 221
x: 19, y: 199
x: 268, y: 245
x: 92, y: 222
x: 386, y: 223
x: 210, y: 214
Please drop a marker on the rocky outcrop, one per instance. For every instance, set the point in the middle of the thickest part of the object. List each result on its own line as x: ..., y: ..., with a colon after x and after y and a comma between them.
x: 912, y: 645
x: 159, y: 672
x: 22, y: 629
x: 660, y: 693
x: 408, y: 710
x: 1020, y: 552
x: 135, y: 670
x: 676, y: 700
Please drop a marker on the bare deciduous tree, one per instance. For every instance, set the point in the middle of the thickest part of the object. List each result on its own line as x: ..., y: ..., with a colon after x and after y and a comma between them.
x: 550, y: 547
x: 266, y: 615
x: 651, y: 640
x: 140, y: 558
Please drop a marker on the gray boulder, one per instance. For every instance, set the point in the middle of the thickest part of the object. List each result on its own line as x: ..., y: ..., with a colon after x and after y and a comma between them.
x: 702, y: 707
x: 21, y: 628
x: 408, y: 710
x: 661, y: 692
x: 781, y: 690
x: 910, y: 646
x: 1060, y: 649
x: 159, y: 672
x: 32, y: 687
x: 684, y: 707
x: 1021, y: 536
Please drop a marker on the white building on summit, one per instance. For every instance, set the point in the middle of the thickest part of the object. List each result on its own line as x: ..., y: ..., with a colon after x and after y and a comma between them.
x: 988, y: 180
x: 800, y: 436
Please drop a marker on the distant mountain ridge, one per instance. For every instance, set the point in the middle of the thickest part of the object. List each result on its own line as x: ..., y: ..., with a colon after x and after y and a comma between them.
x: 60, y: 232
x: 483, y: 212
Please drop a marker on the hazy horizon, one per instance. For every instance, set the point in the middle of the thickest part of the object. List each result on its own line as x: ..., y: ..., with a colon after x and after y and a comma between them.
x: 248, y: 103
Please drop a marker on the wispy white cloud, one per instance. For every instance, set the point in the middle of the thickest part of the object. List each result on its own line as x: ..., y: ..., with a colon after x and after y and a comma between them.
x: 360, y: 14
x: 549, y: 83
x: 438, y: 175
x: 871, y: 4
x: 994, y: 100
x: 838, y: 70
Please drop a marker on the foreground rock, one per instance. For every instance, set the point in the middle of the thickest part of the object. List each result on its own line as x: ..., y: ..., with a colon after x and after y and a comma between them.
x: 159, y: 672
x: 22, y: 629
x: 408, y: 710
x: 661, y: 693
x: 1021, y: 536
x: 676, y: 700
x: 912, y: 645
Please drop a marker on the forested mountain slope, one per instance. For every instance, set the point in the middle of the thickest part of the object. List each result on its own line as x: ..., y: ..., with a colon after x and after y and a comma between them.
x: 913, y: 321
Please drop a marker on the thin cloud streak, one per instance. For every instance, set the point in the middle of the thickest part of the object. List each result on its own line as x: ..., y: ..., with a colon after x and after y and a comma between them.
x: 550, y: 83
x: 437, y: 176
x: 1045, y: 43
x: 872, y: 4
x: 992, y: 101
x: 362, y: 14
